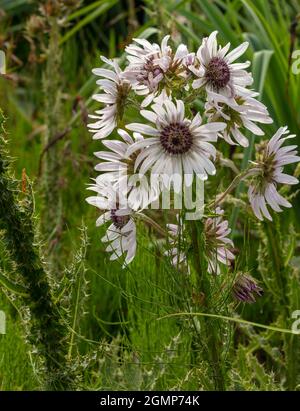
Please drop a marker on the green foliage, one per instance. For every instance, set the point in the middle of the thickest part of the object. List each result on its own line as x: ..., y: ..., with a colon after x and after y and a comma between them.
x: 77, y: 320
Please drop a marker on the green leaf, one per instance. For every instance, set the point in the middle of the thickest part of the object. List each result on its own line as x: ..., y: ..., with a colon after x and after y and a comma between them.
x: 88, y: 19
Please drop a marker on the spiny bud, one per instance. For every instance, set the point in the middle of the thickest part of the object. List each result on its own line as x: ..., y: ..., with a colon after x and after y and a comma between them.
x: 246, y: 289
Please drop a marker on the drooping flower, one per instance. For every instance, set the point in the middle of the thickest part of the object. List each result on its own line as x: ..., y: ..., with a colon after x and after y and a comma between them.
x: 115, y: 91
x: 150, y: 63
x: 176, y: 144
x: 238, y: 113
x: 121, y: 234
x: 268, y: 172
x: 217, y: 71
x: 218, y: 247
x: 246, y: 289
x: 118, y: 170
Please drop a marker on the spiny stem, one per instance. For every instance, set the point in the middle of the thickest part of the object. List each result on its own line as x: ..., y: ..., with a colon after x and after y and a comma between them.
x: 19, y: 236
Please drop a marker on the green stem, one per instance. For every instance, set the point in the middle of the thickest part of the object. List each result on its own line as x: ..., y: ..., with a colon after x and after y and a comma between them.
x: 213, y: 342
x: 17, y: 225
x: 52, y: 160
x: 278, y: 264
x: 231, y: 187
x: 153, y: 224
x: 291, y: 342
x: 232, y: 319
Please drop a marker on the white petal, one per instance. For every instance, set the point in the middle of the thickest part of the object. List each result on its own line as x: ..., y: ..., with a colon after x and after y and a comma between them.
x: 237, y: 52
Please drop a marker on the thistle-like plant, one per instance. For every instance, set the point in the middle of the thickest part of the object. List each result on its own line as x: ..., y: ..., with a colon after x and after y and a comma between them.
x: 47, y: 331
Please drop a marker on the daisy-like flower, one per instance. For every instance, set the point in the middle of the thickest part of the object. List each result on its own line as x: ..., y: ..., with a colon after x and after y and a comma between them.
x: 246, y: 289
x: 115, y: 91
x: 176, y: 144
x: 239, y: 112
x: 150, y: 63
x: 268, y: 172
x: 118, y: 170
x: 121, y: 234
x: 218, y: 246
x: 216, y: 70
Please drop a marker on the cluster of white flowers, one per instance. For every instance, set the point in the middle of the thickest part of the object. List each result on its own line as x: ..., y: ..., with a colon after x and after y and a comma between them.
x: 163, y: 89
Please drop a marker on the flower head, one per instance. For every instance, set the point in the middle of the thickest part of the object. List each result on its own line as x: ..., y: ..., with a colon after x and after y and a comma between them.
x: 150, y: 64
x: 121, y: 234
x: 217, y: 245
x: 268, y: 172
x: 238, y: 113
x: 118, y: 170
x: 176, y: 144
x: 115, y: 91
x: 216, y: 70
x: 246, y: 289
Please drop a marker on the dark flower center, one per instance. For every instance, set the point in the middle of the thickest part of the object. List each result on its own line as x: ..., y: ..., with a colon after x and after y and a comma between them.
x: 149, y: 71
x: 119, y: 221
x: 176, y: 138
x: 267, y: 166
x: 217, y: 73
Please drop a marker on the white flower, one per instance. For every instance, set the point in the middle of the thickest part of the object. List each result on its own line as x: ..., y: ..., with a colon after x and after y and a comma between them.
x: 268, y: 172
x: 218, y: 245
x: 115, y: 90
x: 121, y: 234
x: 176, y: 145
x: 150, y: 63
x: 237, y: 113
x: 118, y: 170
x: 216, y: 70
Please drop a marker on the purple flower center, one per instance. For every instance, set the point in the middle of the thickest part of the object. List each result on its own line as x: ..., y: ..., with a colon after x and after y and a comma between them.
x: 217, y: 73
x: 150, y: 73
x: 119, y: 221
x: 176, y: 138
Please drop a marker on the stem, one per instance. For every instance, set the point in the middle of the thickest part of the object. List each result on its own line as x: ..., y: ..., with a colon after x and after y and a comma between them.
x: 47, y: 332
x: 291, y: 343
x: 278, y: 264
x: 231, y: 319
x: 153, y: 224
x: 231, y: 187
x: 52, y: 164
x: 212, y: 340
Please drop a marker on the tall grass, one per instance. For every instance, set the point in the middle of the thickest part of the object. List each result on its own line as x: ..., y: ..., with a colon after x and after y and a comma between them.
x: 117, y: 327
